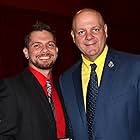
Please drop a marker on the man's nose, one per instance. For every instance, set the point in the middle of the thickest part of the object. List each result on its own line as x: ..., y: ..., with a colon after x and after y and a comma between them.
x: 89, y: 36
x: 45, y: 48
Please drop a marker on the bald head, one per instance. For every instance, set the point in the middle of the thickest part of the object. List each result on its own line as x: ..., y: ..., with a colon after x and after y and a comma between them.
x: 84, y: 13
x: 89, y: 33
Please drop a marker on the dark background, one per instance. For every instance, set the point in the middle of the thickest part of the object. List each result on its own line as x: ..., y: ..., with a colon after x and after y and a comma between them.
x: 17, y: 16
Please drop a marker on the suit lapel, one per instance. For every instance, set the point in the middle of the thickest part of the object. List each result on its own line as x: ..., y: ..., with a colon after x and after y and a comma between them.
x: 78, y: 90
x: 37, y: 94
x: 110, y: 67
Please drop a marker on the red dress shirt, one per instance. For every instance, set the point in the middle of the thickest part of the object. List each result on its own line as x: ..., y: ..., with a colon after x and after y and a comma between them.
x: 59, y: 114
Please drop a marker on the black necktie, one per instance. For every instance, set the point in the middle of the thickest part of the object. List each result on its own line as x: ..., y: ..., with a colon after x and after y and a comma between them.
x: 92, y: 92
x: 49, y: 90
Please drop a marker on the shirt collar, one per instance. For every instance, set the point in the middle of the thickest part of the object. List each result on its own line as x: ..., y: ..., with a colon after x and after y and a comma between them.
x: 99, y: 59
x: 39, y: 76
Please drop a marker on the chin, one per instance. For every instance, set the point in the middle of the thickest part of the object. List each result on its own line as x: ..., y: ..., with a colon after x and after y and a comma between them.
x: 92, y: 52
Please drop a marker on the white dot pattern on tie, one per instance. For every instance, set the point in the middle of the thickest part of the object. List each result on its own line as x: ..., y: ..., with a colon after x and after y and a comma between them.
x: 92, y: 92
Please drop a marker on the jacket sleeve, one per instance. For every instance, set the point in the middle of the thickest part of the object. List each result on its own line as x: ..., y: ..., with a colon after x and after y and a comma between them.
x: 8, y: 112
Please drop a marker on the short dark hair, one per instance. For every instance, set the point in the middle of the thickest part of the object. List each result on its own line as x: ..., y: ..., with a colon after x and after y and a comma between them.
x: 38, y: 26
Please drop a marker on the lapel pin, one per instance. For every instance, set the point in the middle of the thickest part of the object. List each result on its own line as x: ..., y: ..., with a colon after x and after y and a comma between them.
x: 110, y: 64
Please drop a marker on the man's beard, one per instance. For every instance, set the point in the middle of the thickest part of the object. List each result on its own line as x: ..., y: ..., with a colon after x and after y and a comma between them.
x: 42, y: 66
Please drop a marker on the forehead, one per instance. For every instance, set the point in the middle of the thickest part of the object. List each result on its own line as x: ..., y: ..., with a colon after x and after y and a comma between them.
x: 41, y: 35
x: 86, y: 18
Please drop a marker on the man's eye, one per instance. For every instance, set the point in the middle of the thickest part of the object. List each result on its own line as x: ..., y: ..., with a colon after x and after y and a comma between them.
x: 96, y: 30
x: 52, y: 45
x: 81, y: 32
x: 36, y: 45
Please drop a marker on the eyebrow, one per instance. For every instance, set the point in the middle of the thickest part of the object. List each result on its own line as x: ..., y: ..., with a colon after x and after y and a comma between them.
x: 41, y: 43
x: 35, y: 42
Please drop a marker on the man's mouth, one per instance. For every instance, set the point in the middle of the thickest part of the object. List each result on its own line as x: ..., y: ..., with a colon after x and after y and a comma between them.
x: 45, y: 57
x: 90, y: 43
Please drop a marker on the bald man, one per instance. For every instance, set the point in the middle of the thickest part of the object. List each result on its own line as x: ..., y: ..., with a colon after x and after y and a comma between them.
x: 117, y: 112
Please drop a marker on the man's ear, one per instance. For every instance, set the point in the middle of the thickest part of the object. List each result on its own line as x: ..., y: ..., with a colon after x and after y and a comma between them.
x: 105, y: 29
x: 26, y: 53
x: 72, y: 34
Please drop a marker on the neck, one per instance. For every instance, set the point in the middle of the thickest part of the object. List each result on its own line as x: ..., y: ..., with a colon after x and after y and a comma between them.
x: 46, y: 72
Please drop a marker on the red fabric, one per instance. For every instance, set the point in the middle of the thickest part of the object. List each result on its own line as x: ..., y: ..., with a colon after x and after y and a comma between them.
x: 59, y: 114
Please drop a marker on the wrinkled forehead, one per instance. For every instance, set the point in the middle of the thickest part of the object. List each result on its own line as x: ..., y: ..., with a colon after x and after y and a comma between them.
x: 87, y: 17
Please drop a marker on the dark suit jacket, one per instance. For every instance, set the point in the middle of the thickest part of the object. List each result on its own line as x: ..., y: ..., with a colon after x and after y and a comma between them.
x: 25, y: 113
x: 118, y: 103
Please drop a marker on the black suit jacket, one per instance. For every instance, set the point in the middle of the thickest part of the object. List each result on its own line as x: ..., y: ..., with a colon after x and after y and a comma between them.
x: 25, y: 113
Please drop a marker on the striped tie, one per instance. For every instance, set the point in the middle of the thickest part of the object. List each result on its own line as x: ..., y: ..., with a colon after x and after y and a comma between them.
x: 49, y: 90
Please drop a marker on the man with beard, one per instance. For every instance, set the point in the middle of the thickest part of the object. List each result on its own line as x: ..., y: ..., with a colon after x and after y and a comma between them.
x: 30, y: 106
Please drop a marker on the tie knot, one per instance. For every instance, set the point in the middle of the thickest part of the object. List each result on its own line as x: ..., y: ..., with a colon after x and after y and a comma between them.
x: 93, y: 67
